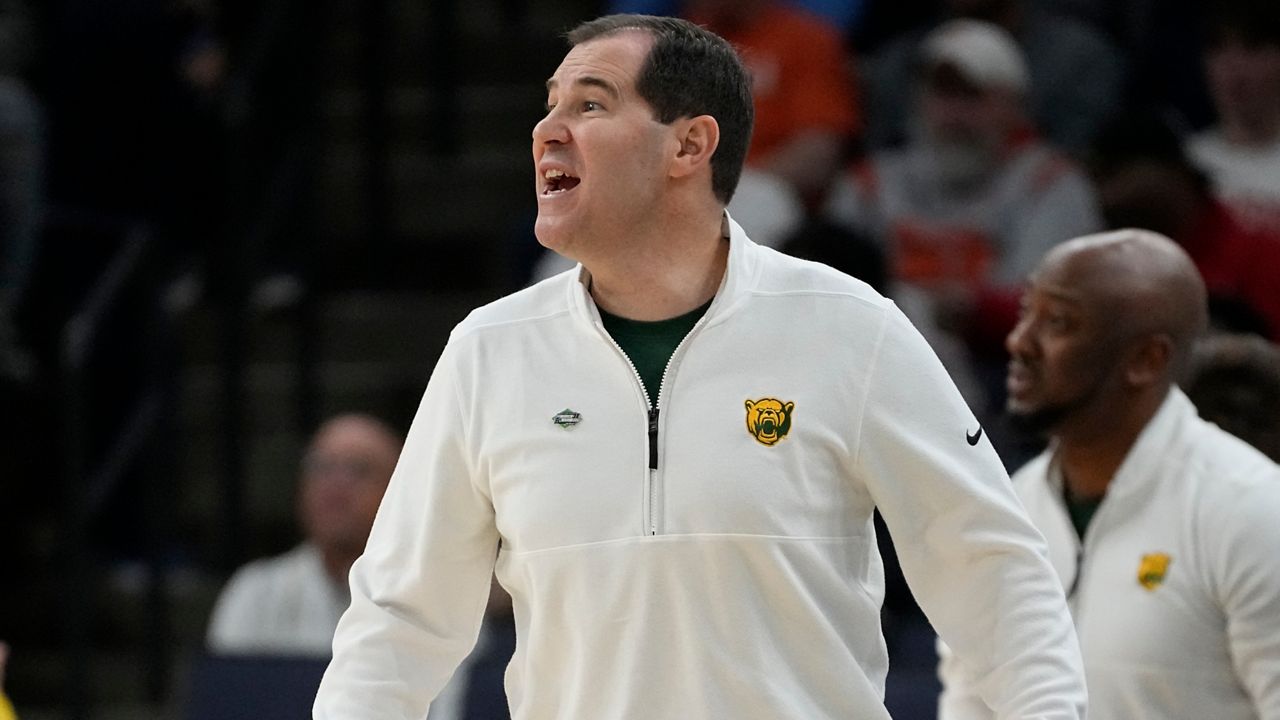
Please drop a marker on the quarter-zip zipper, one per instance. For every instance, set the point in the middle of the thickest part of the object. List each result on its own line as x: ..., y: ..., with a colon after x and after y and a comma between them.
x: 653, y: 410
x: 654, y: 478
x: 653, y: 438
x: 1083, y: 544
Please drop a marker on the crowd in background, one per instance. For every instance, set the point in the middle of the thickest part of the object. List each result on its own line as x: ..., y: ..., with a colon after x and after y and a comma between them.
x: 934, y: 148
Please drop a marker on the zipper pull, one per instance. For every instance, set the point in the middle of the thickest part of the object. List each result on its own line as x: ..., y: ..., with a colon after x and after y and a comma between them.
x: 653, y: 438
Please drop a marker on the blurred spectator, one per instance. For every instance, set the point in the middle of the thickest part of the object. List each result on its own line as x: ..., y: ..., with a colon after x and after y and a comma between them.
x: 887, y: 21
x: 1076, y: 74
x: 21, y: 182
x: 805, y: 109
x: 1234, y: 382
x: 970, y: 205
x: 1146, y: 181
x: 1241, y: 153
x: 844, y: 15
x: 291, y: 603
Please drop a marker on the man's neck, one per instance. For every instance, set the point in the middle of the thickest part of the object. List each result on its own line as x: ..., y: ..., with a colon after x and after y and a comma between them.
x: 1090, y: 454
x: 666, y: 277
x: 337, y: 564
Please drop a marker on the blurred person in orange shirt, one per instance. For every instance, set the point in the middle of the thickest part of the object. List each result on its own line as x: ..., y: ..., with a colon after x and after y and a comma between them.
x: 801, y: 85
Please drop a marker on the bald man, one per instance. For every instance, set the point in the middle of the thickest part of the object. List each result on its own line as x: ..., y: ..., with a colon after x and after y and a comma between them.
x: 290, y: 604
x: 1164, y: 530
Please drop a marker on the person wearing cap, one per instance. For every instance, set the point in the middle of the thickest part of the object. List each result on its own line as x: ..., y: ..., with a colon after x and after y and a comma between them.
x: 1077, y: 74
x: 967, y: 208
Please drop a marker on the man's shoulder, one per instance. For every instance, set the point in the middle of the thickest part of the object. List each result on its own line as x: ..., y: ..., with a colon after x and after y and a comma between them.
x: 1225, y: 468
x: 1033, y: 476
x: 1235, y: 499
x: 544, y: 299
x: 783, y: 274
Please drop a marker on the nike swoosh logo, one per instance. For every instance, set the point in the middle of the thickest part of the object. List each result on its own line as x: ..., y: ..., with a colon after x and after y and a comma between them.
x: 973, y: 438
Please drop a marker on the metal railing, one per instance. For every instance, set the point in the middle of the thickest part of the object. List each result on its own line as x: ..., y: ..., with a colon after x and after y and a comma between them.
x: 136, y: 445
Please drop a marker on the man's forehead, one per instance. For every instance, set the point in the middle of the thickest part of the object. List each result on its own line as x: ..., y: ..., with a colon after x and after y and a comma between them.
x: 609, y: 61
x: 1054, y: 288
x: 603, y: 83
x: 1080, y: 277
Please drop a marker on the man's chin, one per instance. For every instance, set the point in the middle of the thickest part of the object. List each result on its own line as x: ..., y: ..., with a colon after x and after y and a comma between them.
x: 1039, y: 421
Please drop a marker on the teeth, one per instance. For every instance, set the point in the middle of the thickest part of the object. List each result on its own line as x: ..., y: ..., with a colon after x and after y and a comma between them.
x: 553, y: 174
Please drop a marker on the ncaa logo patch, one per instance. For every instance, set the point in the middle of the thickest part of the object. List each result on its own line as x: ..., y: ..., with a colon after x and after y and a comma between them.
x: 769, y: 420
x: 1152, y: 569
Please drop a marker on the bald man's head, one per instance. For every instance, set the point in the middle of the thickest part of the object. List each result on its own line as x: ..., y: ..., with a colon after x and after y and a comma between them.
x: 344, y: 475
x: 1107, y: 318
x: 1145, y: 282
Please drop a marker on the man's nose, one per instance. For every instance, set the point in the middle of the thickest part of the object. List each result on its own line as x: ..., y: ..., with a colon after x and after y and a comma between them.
x: 1018, y: 340
x: 550, y: 129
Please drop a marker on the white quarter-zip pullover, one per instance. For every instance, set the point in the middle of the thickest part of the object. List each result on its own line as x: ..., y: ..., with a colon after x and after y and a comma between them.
x: 1175, y: 588
x: 722, y: 565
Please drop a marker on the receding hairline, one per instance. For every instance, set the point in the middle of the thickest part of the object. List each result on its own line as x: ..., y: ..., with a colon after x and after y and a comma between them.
x: 595, y: 30
x: 1148, y: 275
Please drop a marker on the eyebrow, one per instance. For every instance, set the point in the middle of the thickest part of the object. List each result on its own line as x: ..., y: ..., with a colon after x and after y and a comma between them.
x: 1061, y: 294
x: 590, y: 81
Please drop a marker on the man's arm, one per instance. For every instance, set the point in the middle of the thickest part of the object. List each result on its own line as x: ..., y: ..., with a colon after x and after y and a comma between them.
x: 418, y: 593
x: 972, y: 558
x: 1249, y: 592
x: 959, y: 698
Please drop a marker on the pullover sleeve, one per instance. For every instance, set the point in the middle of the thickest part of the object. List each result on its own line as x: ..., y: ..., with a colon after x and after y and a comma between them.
x: 977, y: 565
x: 1247, y: 562
x: 418, y: 592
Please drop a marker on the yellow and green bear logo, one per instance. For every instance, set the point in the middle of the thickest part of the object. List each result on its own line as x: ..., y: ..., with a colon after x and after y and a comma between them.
x: 769, y: 420
x: 1152, y: 569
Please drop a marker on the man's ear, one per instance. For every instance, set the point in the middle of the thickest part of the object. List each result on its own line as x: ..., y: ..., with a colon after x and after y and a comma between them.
x: 1150, y: 360
x: 697, y: 138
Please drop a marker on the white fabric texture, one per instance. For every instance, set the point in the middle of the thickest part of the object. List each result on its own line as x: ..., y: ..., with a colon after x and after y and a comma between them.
x: 738, y: 579
x: 281, y: 605
x: 1203, y: 641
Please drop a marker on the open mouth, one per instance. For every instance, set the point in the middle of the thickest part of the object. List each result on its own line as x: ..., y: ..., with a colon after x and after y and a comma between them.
x: 1018, y: 379
x: 558, y: 181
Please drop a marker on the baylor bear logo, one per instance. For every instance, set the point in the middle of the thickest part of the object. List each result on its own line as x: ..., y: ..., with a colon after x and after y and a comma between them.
x: 769, y: 420
x: 1152, y: 569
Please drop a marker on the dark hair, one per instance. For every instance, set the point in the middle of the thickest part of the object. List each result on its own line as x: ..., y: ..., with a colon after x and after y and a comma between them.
x: 690, y: 71
x: 1234, y: 382
x: 1144, y: 134
x: 1252, y: 22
